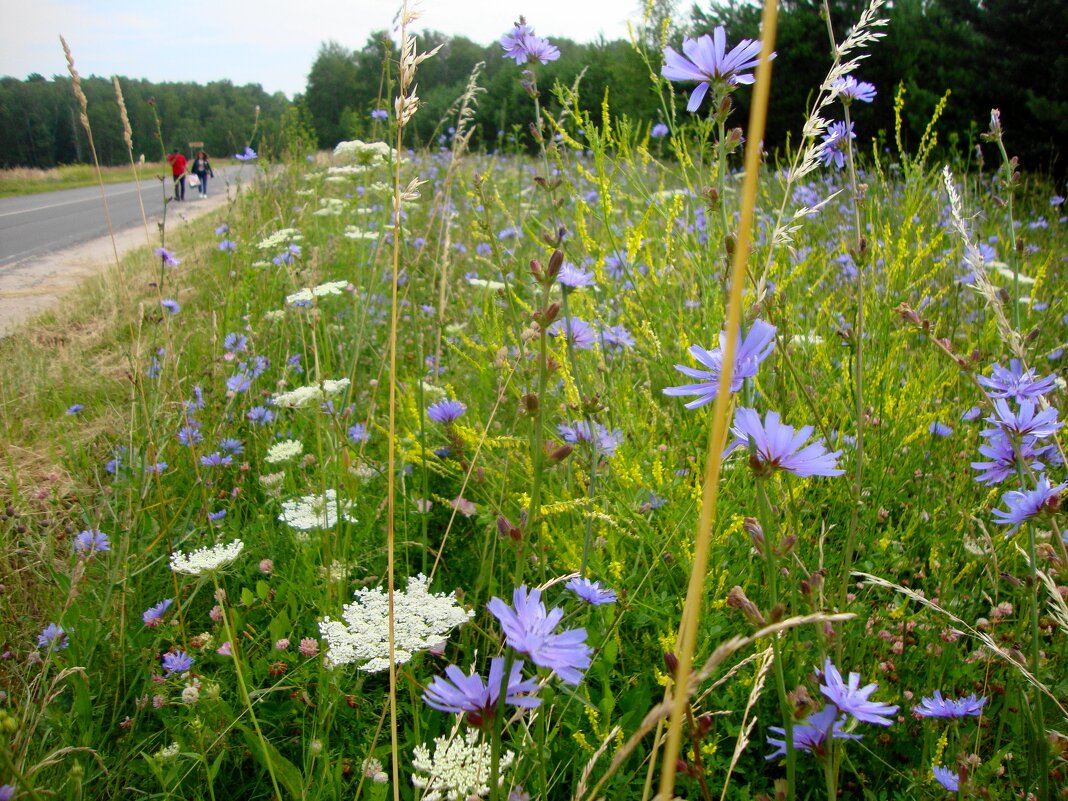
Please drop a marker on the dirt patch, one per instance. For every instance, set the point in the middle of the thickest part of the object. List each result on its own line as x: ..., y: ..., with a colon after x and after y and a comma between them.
x: 31, y: 287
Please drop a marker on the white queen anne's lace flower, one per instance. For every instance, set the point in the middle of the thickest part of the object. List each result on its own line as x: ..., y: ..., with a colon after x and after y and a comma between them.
x: 422, y: 620
x: 280, y: 239
x: 365, y: 152
x: 205, y: 560
x: 352, y: 232
x: 302, y: 297
x: 303, y: 396
x: 330, y: 288
x: 458, y: 769
x: 284, y: 451
x: 315, y: 511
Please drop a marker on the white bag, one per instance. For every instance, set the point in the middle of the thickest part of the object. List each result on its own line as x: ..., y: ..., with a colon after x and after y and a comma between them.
x: 192, y: 179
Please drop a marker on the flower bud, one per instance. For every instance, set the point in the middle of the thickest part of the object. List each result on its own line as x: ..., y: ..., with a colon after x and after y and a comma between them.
x: 737, y: 599
x: 671, y: 662
x: 753, y: 528
x: 559, y: 454
x: 704, y: 724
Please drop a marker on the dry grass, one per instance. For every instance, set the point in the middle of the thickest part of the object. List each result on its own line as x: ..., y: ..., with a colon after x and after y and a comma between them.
x: 77, y: 352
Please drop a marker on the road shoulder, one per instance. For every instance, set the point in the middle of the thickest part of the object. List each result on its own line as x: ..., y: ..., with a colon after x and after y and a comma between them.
x: 32, y: 287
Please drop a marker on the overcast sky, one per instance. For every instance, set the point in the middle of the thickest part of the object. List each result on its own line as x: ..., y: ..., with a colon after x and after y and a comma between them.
x: 256, y: 41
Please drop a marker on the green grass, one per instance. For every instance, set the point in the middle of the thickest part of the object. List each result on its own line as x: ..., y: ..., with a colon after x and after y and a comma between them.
x: 95, y: 720
x: 31, y: 181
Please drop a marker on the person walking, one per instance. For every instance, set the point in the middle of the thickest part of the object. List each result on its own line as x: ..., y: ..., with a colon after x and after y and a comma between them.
x: 178, y: 162
x: 201, y: 168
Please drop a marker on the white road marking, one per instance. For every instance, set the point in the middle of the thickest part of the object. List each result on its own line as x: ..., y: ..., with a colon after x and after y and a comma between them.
x: 95, y: 199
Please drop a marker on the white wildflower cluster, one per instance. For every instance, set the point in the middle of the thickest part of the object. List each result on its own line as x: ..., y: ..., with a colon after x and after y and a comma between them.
x: 422, y: 620
x: 302, y: 297
x: 191, y: 692
x: 284, y: 451
x: 433, y: 390
x: 811, y: 338
x: 339, y: 174
x: 338, y: 570
x: 352, y: 232
x: 330, y: 207
x: 169, y: 752
x: 368, y: 153
x: 330, y: 288
x: 272, y: 482
x: 205, y: 560
x: 482, y: 283
x: 303, y: 396
x: 1006, y: 272
x: 281, y: 238
x: 305, y: 296
x: 458, y: 769
x: 372, y: 769
x: 315, y: 511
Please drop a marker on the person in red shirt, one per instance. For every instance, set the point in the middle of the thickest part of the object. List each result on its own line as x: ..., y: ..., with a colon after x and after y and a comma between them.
x: 178, y: 162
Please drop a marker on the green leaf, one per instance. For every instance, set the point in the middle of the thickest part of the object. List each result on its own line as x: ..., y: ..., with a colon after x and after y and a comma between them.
x: 213, y: 771
x: 262, y: 590
x: 247, y: 597
x: 287, y: 774
x: 280, y: 626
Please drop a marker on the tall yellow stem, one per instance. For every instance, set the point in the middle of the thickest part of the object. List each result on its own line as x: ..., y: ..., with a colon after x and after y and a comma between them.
x: 695, y: 592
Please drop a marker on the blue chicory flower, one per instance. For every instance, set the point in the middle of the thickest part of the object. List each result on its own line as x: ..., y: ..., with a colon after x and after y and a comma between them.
x: 591, y: 591
x: 91, y: 540
x: 469, y: 694
x: 176, y: 662
x: 776, y: 446
x: 153, y: 616
x: 53, y: 637
x: 708, y: 61
x: 852, y: 699
x: 1025, y: 504
x: 529, y: 630
x: 938, y: 707
x: 849, y: 88
x: 525, y: 47
x: 758, y: 344
x: 445, y: 411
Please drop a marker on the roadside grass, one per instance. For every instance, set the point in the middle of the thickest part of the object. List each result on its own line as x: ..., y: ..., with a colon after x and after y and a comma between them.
x: 32, y: 181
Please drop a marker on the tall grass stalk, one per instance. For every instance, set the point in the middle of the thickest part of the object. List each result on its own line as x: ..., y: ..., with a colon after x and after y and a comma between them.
x: 127, y: 138
x: 1010, y: 178
x: 83, y: 116
x: 771, y: 544
x: 720, y: 415
x: 235, y: 649
x: 407, y: 103
x: 584, y: 410
x: 859, y: 256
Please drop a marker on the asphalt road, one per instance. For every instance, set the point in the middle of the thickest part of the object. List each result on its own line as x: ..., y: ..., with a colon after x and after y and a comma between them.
x: 34, y: 226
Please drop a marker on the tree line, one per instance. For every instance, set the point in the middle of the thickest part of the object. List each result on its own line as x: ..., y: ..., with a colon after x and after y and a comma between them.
x: 1007, y: 54
x: 39, y: 124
